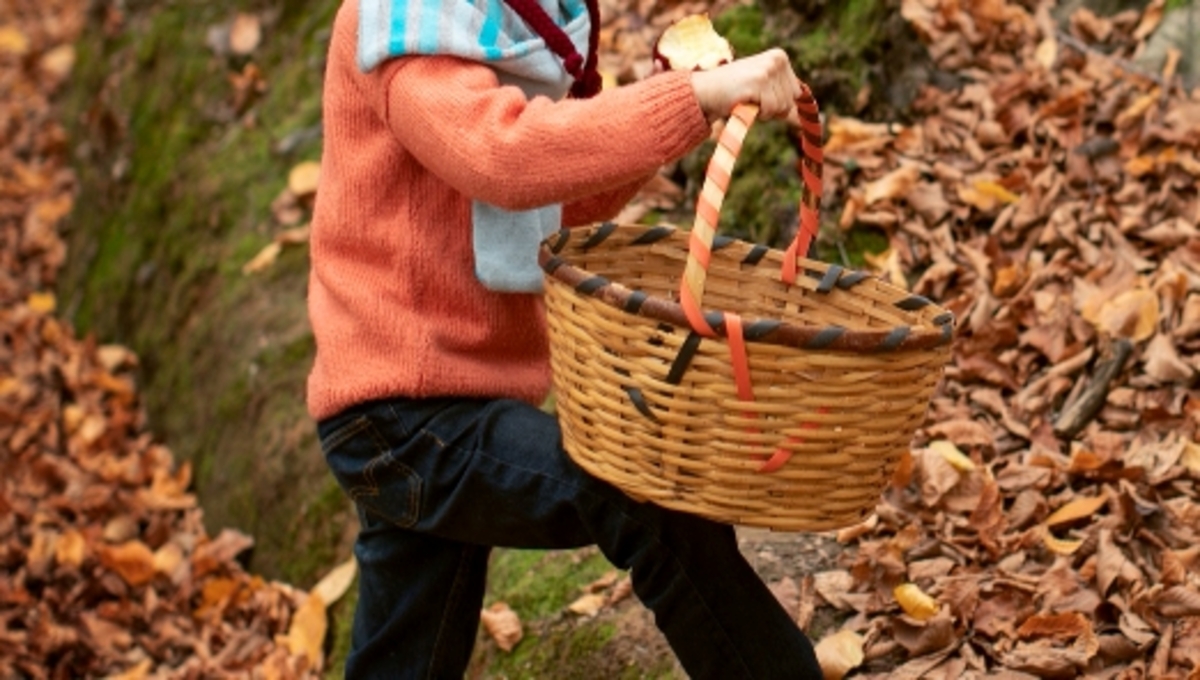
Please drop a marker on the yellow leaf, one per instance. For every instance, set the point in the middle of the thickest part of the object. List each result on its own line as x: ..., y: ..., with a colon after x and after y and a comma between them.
x: 132, y: 561
x: 840, y: 653
x: 9, y: 385
x: 306, y: 636
x: 168, y: 558
x: 70, y: 548
x: 1046, y: 53
x: 13, y: 41
x: 59, y: 61
x: 996, y: 191
x: 589, y: 605
x: 953, y: 455
x: 265, y: 258
x: 43, y: 303
x: 503, y: 625
x: 245, y: 34
x: 1078, y: 509
x: 1132, y: 314
x: 915, y: 602
x: 335, y: 584
x: 1060, y: 546
x: 1191, y: 457
x: 138, y: 672
x: 1140, y: 165
x: 303, y: 178
x: 608, y: 79
x: 72, y: 417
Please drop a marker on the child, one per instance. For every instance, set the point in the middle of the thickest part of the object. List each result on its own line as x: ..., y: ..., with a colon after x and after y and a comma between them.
x: 448, y: 156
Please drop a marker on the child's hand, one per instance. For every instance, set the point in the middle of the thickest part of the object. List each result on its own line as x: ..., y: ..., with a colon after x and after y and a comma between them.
x: 765, y: 79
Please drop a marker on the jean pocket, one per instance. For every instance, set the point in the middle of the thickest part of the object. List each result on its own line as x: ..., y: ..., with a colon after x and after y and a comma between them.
x: 368, y: 470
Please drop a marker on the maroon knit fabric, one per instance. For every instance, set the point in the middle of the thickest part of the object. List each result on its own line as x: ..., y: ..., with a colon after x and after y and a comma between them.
x: 586, y: 74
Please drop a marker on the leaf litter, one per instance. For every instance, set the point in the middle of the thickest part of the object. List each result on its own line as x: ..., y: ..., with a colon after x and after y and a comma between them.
x: 107, y: 570
x: 1050, y: 200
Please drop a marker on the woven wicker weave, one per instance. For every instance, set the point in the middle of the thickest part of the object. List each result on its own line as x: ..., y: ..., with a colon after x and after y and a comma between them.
x: 723, y: 390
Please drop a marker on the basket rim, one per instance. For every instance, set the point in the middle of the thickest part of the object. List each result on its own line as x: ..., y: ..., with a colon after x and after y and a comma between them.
x: 766, y: 331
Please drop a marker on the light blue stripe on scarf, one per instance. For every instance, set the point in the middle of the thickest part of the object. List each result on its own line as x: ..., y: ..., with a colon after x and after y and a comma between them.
x: 505, y: 243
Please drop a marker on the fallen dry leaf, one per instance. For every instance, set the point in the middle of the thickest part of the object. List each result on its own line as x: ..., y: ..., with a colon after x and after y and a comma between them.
x: 13, y: 41
x: 334, y: 585
x: 588, y: 605
x: 1132, y: 314
x: 306, y: 636
x: 303, y: 179
x: 915, y: 602
x: 1076, y: 510
x: 245, y: 33
x: 264, y: 259
x: 839, y: 654
x: 503, y: 625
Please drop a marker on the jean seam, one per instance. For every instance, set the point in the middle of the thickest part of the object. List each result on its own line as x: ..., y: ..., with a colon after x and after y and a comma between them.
x: 654, y: 536
x: 385, y: 458
x: 398, y: 420
x: 344, y: 434
x: 463, y: 569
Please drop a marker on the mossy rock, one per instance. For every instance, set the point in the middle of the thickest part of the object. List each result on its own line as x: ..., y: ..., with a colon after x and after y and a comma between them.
x: 176, y: 189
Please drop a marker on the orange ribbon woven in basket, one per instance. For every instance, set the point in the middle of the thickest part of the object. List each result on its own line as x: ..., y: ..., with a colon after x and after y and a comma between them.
x: 708, y: 210
x: 741, y: 376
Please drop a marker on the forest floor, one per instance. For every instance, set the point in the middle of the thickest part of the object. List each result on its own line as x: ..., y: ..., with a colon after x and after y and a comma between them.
x: 1045, y: 523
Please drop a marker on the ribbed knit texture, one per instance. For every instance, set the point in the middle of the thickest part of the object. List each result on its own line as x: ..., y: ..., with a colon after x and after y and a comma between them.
x: 395, y: 307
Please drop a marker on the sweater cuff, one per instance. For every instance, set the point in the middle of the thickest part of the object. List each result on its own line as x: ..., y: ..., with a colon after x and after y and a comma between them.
x: 672, y: 91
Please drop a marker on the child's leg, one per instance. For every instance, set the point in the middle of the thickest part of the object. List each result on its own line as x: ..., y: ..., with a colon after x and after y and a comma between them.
x: 494, y: 473
x: 418, y: 604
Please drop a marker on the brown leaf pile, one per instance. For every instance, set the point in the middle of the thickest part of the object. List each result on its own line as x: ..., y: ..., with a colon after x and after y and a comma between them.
x: 1049, y: 197
x: 105, y: 566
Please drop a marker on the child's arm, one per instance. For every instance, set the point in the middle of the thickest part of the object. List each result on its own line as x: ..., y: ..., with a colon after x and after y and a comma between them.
x: 491, y: 144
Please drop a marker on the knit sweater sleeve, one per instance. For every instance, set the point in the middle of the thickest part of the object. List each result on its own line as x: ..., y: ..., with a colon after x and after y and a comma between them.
x: 490, y: 143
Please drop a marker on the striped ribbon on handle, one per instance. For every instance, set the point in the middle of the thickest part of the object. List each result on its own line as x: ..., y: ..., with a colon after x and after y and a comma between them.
x: 704, y: 230
x: 716, y: 185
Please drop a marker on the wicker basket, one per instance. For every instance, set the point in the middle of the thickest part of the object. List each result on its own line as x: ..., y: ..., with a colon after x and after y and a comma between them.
x: 733, y: 381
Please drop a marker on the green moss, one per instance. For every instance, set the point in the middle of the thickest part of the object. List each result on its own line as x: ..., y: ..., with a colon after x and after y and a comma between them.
x: 342, y: 616
x: 537, y: 583
x: 155, y: 259
x: 319, y: 530
x: 764, y: 197
x: 563, y: 652
x: 811, y: 49
x: 743, y: 27
x: 849, y: 248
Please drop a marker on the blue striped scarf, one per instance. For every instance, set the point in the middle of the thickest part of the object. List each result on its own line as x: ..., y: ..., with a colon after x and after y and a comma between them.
x: 505, y: 242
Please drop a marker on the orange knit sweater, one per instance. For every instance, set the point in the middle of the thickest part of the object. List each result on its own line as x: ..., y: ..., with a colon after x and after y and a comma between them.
x: 393, y: 300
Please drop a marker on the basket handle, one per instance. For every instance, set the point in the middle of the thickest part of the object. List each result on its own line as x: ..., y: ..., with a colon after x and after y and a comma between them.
x: 716, y: 184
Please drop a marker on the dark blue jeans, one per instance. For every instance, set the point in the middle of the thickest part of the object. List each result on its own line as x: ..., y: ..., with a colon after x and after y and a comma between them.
x: 438, y: 482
